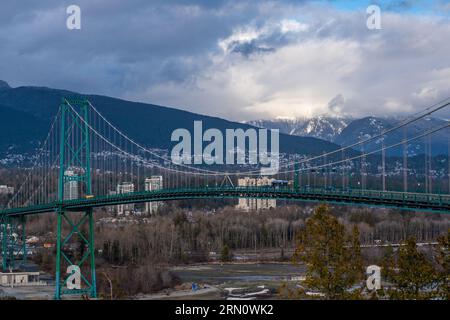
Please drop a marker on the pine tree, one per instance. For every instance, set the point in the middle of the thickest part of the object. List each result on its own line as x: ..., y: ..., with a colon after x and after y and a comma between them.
x: 115, y: 252
x: 332, y: 259
x: 443, y: 263
x: 355, y: 255
x: 415, y: 276
x: 81, y: 247
x: 388, y: 264
x: 226, y: 254
x: 106, y: 254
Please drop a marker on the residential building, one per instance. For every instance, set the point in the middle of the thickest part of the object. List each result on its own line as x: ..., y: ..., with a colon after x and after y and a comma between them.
x: 152, y: 184
x: 71, y: 186
x: 4, y: 189
x: 125, y: 187
x: 16, y: 279
x: 248, y: 204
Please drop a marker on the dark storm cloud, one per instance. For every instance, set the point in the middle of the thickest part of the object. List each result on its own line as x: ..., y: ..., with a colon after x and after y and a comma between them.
x: 117, y: 38
x: 237, y: 59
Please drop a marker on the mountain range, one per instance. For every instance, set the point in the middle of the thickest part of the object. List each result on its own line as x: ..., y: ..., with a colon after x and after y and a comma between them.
x: 322, y: 127
x: 347, y: 131
x: 26, y: 113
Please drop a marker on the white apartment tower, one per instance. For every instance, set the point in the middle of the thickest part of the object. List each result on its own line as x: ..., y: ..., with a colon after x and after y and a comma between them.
x: 4, y: 189
x: 125, y: 187
x: 248, y: 204
x: 71, y: 190
x: 152, y: 184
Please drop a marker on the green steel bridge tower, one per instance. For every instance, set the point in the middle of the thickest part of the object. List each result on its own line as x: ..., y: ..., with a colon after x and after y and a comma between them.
x: 75, y: 157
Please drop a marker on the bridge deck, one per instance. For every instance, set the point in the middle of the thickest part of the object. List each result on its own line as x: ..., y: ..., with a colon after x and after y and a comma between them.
x: 387, y: 199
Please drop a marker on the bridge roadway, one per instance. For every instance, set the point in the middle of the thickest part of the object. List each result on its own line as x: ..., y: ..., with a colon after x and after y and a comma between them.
x: 387, y: 199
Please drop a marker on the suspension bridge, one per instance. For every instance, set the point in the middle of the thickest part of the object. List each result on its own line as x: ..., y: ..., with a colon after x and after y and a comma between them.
x: 85, y: 161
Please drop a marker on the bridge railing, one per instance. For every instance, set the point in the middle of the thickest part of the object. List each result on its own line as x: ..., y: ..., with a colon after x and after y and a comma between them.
x: 391, y: 195
x: 434, y: 199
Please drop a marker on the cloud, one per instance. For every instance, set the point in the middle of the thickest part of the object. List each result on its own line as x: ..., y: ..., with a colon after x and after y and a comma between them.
x: 335, y: 105
x: 261, y: 38
x: 236, y: 59
x: 394, y: 71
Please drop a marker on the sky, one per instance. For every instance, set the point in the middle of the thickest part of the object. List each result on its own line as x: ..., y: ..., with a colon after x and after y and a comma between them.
x: 240, y: 60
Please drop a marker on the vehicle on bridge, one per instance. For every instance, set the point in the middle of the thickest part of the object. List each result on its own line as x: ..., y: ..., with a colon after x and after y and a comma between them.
x: 280, y: 184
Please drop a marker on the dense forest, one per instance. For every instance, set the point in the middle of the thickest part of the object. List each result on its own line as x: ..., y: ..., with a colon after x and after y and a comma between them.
x: 182, y: 235
x: 149, y: 245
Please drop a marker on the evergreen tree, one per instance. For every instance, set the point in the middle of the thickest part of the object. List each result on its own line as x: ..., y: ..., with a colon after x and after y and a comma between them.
x: 355, y: 256
x: 388, y: 267
x: 443, y: 263
x: 81, y: 244
x: 388, y: 263
x: 106, y: 254
x: 414, y: 276
x: 332, y: 259
x: 115, y: 254
x: 226, y: 254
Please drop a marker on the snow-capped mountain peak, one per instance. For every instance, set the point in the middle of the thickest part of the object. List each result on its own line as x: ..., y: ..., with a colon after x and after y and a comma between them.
x: 323, y: 127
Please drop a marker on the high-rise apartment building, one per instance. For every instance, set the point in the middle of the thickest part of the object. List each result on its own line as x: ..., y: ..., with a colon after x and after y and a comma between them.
x: 152, y: 184
x: 4, y: 189
x: 125, y: 187
x: 248, y: 204
x: 71, y: 186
